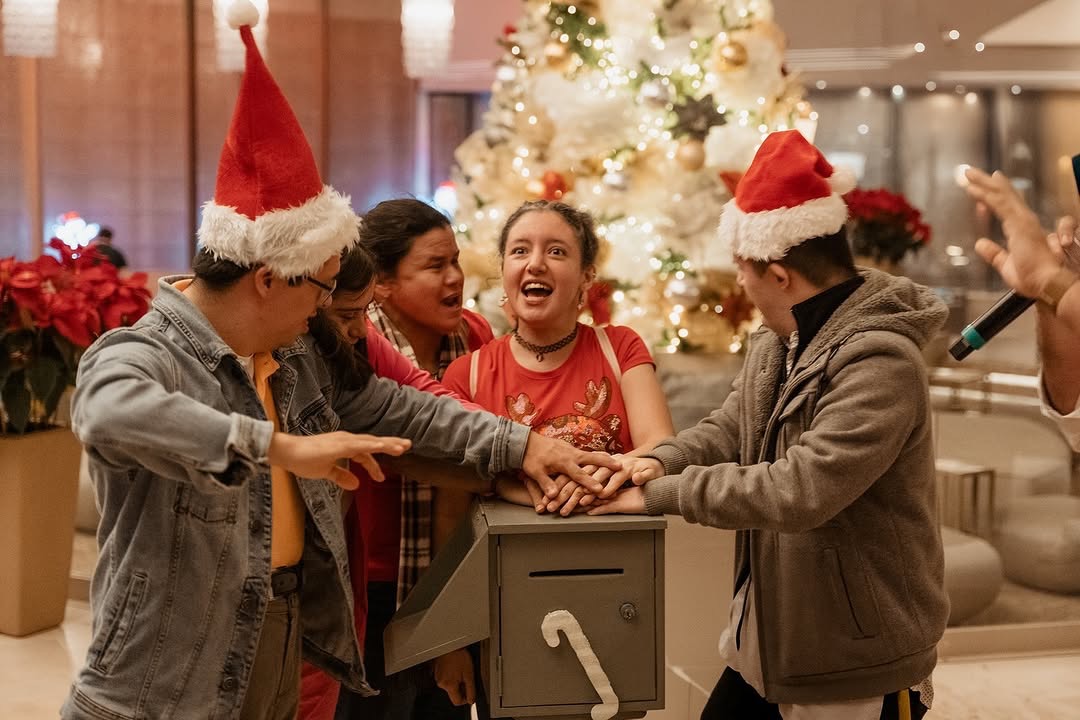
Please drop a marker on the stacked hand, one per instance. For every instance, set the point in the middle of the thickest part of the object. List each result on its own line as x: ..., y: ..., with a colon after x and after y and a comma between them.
x: 547, y: 458
x: 630, y: 501
x: 602, y: 495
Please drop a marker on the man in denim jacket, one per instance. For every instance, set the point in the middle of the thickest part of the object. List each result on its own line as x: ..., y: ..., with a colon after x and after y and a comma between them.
x: 215, y: 427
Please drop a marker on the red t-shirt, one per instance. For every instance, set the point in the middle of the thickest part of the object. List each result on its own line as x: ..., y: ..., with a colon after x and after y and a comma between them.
x: 580, y: 401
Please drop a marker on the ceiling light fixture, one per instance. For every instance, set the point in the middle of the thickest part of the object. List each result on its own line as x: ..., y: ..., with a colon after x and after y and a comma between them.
x: 30, y: 28
x: 427, y: 28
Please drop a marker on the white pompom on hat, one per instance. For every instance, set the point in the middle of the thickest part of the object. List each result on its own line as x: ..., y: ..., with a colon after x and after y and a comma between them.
x: 270, y: 206
x: 789, y: 194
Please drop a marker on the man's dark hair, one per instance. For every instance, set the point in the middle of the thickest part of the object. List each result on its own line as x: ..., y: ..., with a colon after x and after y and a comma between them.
x: 105, y: 232
x: 389, y: 229
x: 822, y: 260
x: 218, y: 273
x: 221, y: 274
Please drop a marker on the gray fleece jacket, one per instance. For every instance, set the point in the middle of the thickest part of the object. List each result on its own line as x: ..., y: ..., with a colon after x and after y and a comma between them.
x: 829, y: 479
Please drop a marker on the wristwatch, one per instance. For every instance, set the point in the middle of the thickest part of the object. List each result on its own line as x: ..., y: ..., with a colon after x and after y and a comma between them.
x: 1056, y: 287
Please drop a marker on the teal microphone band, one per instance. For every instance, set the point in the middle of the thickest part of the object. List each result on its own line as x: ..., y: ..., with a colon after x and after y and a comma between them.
x: 975, y: 340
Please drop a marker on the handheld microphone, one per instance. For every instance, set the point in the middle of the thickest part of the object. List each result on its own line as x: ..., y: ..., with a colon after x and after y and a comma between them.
x: 989, y: 324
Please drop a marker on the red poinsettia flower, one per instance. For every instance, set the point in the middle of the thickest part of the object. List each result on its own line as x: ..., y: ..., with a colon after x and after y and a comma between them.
x: 884, y: 225
x: 51, y: 310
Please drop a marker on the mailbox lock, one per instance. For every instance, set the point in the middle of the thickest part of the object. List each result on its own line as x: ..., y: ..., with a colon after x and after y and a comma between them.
x: 628, y: 611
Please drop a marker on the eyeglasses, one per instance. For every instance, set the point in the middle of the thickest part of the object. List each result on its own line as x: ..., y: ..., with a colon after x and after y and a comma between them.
x: 327, y: 290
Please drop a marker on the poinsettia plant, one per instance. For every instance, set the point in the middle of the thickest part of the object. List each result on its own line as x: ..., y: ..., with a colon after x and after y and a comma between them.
x: 883, y: 225
x: 51, y: 309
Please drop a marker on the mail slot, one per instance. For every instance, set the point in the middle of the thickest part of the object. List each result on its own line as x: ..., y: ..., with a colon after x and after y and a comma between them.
x: 569, y: 612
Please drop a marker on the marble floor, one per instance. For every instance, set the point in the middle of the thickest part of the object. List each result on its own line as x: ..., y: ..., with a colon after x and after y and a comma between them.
x: 35, y: 672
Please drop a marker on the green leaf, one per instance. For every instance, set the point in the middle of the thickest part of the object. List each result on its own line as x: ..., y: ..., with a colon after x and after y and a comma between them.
x: 65, y: 349
x: 44, y: 376
x: 16, y: 399
x: 51, y: 401
x: 5, y: 363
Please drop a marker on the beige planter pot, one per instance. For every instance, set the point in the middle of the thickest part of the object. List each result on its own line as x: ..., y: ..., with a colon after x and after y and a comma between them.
x: 39, y: 478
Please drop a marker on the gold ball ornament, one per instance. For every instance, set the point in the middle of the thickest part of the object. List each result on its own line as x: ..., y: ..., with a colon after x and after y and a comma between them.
x: 555, y: 185
x: 690, y: 155
x: 729, y: 55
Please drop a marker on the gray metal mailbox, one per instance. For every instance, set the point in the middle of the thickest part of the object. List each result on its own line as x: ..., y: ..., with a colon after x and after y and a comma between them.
x: 570, y: 612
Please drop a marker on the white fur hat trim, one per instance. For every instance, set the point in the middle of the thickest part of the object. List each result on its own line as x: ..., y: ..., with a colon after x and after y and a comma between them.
x: 293, y: 242
x: 768, y: 235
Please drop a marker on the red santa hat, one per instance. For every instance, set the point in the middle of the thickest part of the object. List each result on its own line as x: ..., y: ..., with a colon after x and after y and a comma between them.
x: 789, y: 194
x: 270, y: 207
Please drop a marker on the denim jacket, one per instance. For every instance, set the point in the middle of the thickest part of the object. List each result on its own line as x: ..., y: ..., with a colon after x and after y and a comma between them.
x: 178, y: 440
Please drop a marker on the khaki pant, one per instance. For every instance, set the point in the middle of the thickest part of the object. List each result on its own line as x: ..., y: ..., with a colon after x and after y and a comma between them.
x: 274, y: 687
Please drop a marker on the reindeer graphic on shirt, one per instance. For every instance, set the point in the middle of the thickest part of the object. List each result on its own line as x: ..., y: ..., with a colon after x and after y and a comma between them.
x: 587, y: 429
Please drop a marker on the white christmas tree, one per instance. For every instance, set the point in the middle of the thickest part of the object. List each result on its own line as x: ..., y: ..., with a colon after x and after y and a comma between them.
x: 645, y: 113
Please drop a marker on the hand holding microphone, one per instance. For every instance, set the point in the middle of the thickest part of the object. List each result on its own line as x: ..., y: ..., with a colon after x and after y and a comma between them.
x: 1031, y: 266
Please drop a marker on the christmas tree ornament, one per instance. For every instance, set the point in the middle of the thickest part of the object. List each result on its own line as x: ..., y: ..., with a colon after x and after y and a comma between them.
x: 694, y: 117
x: 691, y: 154
x: 555, y: 185
x: 729, y: 54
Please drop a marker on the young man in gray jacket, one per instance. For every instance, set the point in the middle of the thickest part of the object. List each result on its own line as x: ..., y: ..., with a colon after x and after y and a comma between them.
x: 215, y: 427
x: 822, y: 459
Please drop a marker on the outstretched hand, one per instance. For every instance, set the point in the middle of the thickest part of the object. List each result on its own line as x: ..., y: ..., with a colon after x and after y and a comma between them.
x: 546, y: 457
x: 317, y: 456
x: 1029, y: 261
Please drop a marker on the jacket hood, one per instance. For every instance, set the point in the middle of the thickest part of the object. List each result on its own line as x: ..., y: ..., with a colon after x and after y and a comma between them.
x: 884, y: 303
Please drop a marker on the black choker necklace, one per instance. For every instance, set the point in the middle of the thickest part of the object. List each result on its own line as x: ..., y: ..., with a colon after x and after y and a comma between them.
x: 542, y: 350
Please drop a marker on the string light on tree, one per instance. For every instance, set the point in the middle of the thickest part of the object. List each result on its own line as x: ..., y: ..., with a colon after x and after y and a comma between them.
x: 645, y: 113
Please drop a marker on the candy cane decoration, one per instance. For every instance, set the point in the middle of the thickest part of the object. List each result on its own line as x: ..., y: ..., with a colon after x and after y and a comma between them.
x: 564, y: 620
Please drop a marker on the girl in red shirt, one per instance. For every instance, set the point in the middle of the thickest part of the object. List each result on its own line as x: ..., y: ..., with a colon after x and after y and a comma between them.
x: 417, y: 308
x: 596, y: 388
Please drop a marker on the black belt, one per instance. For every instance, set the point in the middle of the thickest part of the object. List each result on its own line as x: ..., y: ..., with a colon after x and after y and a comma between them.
x: 286, y: 581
